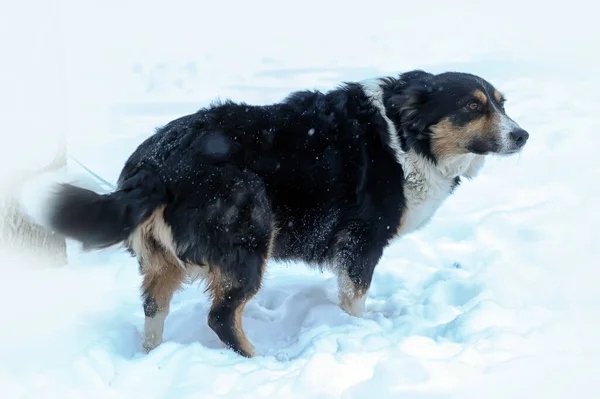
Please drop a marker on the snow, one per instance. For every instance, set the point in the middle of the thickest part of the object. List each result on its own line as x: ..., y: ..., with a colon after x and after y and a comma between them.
x: 496, y: 297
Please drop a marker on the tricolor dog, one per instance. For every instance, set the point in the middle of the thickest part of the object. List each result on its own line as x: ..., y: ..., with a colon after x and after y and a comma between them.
x: 328, y: 179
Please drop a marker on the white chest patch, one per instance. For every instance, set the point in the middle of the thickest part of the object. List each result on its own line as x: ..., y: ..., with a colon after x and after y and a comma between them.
x: 427, y: 186
x: 424, y: 190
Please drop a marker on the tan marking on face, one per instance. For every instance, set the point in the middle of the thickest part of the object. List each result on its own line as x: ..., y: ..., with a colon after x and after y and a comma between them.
x: 448, y: 139
x: 478, y: 94
x: 498, y: 96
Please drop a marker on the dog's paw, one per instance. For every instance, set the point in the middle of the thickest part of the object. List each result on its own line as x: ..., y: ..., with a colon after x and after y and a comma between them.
x: 150, y: 344
x: 354, y: 307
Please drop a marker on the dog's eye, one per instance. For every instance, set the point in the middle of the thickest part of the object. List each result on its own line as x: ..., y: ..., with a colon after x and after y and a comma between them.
x: 473, y: 106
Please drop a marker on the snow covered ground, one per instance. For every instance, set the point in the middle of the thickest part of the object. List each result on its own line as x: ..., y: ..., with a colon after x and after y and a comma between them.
x: 496, y: 298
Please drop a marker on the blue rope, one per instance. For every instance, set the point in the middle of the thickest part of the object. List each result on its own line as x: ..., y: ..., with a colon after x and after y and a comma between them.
x: 112, y: 186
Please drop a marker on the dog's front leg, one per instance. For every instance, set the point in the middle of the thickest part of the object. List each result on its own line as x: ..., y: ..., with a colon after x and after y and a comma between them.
x: 356, y: 256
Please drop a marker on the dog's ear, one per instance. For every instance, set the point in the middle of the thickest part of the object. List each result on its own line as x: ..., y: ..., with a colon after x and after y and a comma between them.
x: 407, y: 105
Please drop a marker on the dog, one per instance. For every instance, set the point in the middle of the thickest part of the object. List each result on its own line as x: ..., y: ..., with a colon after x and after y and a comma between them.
x: 325, y: 178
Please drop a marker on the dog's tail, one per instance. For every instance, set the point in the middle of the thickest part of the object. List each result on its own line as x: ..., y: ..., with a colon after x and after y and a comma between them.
x: 100, y: 221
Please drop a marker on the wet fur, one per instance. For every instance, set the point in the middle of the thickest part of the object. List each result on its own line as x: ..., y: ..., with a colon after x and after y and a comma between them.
x: 329, y: 179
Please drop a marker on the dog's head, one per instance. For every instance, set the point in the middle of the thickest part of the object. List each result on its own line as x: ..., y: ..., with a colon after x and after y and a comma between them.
x: 451, y: 114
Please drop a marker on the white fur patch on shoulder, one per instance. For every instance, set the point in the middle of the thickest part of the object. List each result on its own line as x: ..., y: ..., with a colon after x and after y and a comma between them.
x: 373, y: 90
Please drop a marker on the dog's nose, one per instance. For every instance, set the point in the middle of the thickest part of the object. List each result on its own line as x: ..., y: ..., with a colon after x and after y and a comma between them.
x: 520, y: 136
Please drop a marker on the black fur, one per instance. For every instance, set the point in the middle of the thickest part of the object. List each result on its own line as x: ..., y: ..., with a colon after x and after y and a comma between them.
x: 150, y: 306
x: 316, y: 164
x: 317, y: 168
x: 99, y: 221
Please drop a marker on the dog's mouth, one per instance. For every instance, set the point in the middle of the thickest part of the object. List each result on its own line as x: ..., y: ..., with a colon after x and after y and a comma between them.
x: 484, y: 147
x: 509, y: 144
x: 504, y: 153
x: 512, y: 152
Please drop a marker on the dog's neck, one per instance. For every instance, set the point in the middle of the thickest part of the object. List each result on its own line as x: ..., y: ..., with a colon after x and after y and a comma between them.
x: 465, y: 165
x: 419, y: 167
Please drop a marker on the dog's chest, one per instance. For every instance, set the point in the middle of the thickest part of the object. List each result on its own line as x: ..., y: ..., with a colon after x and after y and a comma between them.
x: 425, y: 190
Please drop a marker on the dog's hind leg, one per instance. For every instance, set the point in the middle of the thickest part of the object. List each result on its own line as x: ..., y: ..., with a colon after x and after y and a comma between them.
x: 352, y: 294
x: 241, y: 241
x: 153, y: 244
x: 230, y: 292
x: 157, y: 291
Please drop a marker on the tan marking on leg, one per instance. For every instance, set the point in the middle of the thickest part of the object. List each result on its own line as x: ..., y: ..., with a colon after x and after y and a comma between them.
x: 160, y: 286
x: 153, y: 244
x: 245, y: 345
x: 153, y: 330
x: 163, y: 285
x: 474, y: 167
x: 342, y: 239
x: 271, y: 245
x: 196, y: 273
x: 150, y: 234
x: 352, y: 299
x: 219, y: 286
x: 272, y: 238
x: 400, y: 229
x: 216, y: 284
x: 239, y: 330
